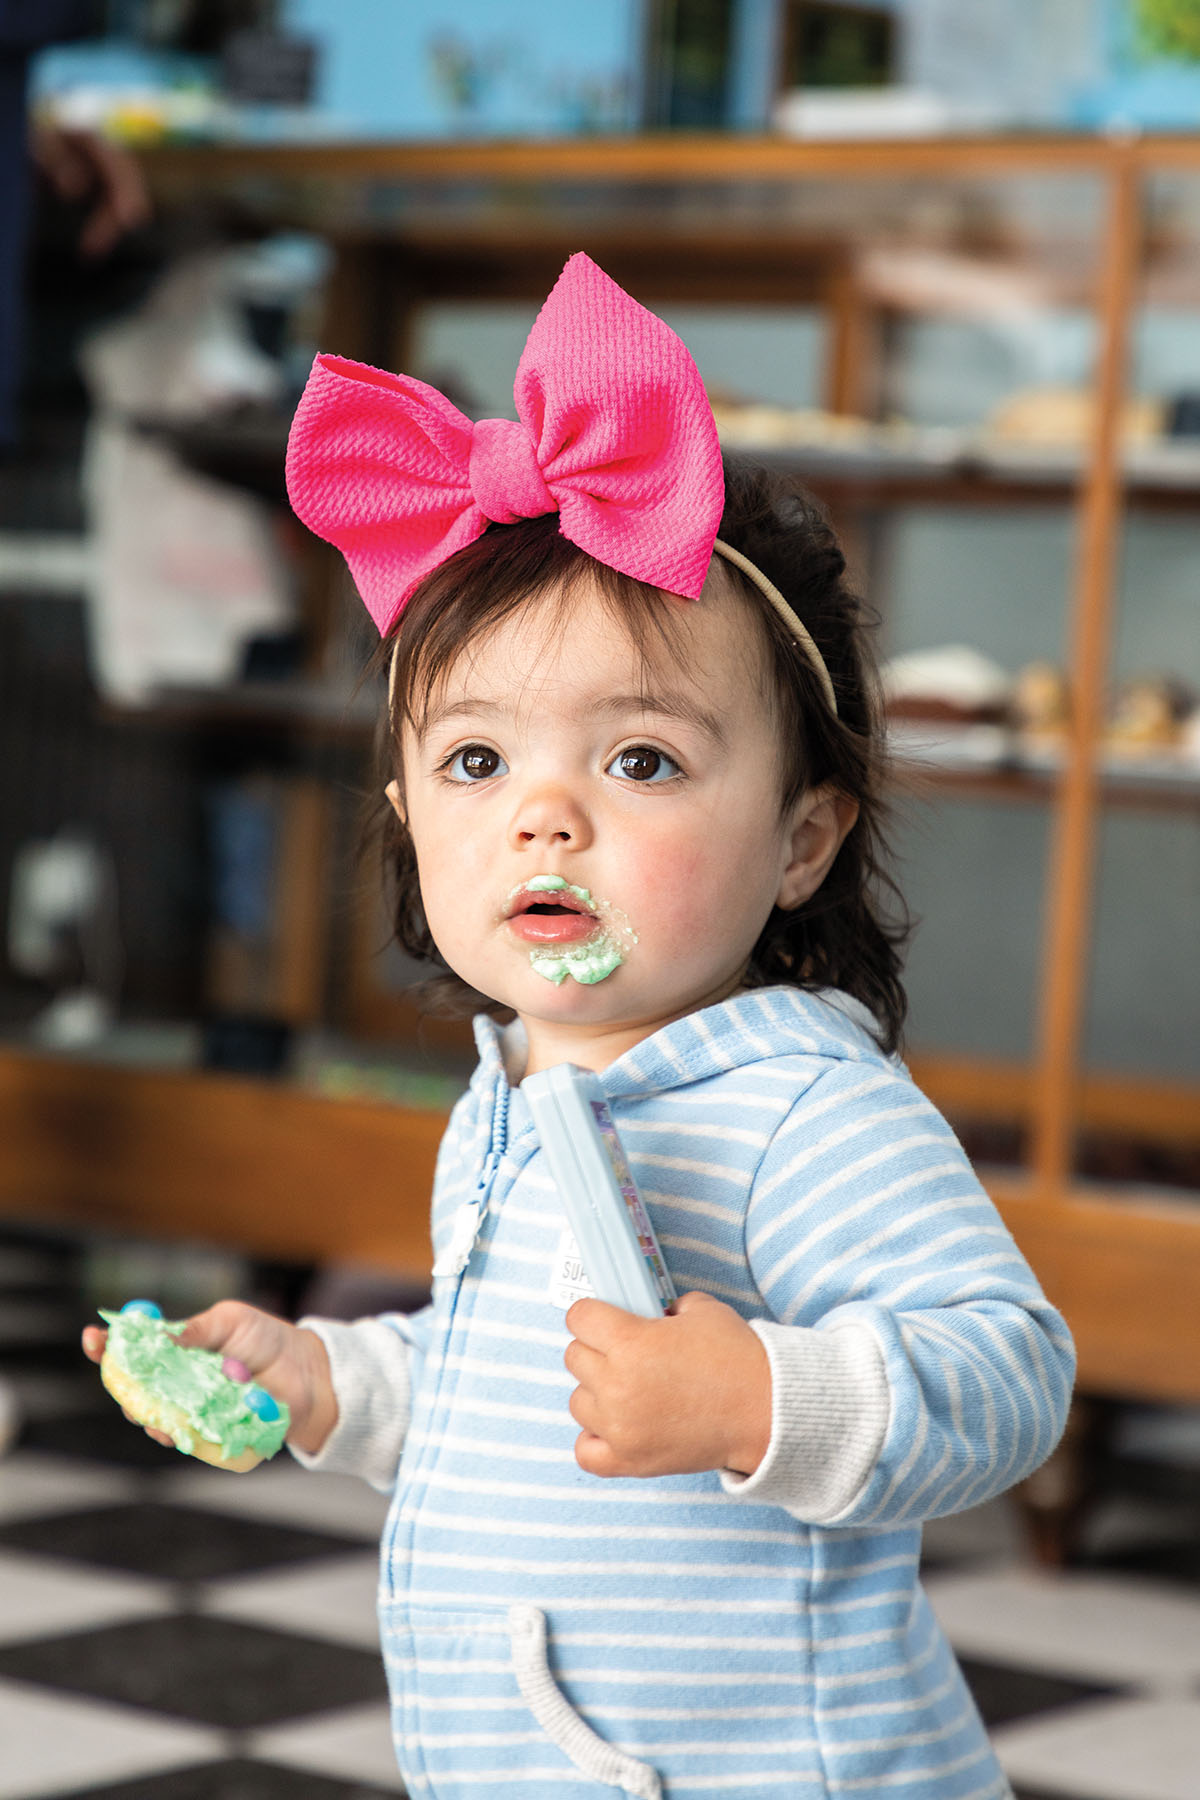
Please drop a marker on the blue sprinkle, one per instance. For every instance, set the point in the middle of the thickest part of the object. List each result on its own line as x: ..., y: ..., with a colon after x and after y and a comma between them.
x: 149, y: 1307
x: 262, y: 1403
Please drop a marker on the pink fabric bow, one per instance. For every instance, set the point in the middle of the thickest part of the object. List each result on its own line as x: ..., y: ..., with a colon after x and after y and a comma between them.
x: 615, y: 434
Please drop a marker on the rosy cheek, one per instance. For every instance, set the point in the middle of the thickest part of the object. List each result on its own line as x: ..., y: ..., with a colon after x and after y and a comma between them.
x: 669, y: 881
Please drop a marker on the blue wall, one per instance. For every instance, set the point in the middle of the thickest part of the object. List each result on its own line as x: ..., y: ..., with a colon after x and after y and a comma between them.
x: 422, y: 68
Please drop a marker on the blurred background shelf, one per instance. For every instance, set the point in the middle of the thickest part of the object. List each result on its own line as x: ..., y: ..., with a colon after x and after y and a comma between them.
x: 866, y: 237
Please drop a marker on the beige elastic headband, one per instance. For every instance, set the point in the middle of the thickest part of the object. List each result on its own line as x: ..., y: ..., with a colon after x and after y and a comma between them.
x: 798, y: 630
x: 765, y: 586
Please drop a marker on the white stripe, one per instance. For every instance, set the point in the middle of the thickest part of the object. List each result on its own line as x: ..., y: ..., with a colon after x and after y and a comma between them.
x: 906, y: 1702
x: 690, y: 1165
x: 698, y: 1209
x: 841, y: 1180
x: 856, y: 1251
x: 694, y: 1129
x: 507, y: 1329
x: 714, y: 1252
x: 703, y: 1031
x: 928, y: 1326
x: 723, y: 1678
x: 881, y: 1122
x: 540, y: 1528
x: 729, y: 1646
x: 931, y: 1270
x: 735, y: 1098
x: 452, y: 1599
x: 506, y: 1371
x: 653, y: 1569
x: 679, y: 1786
x: 902, y: 1777
x: 813, y: 1105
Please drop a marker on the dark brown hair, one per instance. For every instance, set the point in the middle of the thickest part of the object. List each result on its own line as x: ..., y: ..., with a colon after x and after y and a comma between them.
x: 849, y: 934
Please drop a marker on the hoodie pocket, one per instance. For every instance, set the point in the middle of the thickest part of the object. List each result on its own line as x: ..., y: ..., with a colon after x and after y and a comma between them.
x: 475, y: 1708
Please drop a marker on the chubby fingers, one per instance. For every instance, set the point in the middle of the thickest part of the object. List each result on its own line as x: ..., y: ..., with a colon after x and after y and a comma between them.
x: 235, y: 1329
x: 213, y: 1328
x: 599, y: 1325
x: 584, y: 1363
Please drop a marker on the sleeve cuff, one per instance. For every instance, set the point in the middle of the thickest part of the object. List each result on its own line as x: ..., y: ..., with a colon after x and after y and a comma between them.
x: 369, y: 1365
x: 830, y: 1406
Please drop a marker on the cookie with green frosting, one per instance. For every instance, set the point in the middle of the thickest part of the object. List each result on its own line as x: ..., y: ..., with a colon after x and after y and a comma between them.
x: 197, y: 1397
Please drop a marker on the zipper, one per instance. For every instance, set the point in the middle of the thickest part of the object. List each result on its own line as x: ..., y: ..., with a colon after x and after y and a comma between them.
x: 497, y: 1146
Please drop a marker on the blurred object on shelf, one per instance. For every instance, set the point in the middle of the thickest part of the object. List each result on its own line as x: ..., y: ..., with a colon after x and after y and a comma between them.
x: 268, y: 843
x: 1038, y: 439
x: 1041, y: 703
x: 879, y: 112
x: 1149, y: 715
x: 1183, y: 416
x: 345, y: 1069
x: 187, y: 571
x: 136, y: 93
x: 184, y: 71
x: 264, y: 67
x: 938, y: 279
x: 1058, y: 415
x: 949, y: 705
x: 952, y: 683
x: 761, y: 426
x: 63, y: 932
x: 246, y: 1045
x: 1189, y: 737
x: 138, y: 116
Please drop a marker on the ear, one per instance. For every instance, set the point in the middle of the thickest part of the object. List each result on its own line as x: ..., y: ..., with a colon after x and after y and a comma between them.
x: 392, y: 791
x: 821, y: 820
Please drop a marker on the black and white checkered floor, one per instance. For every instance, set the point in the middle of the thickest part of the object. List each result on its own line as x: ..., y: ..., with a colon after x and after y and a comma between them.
x: 168, y: 1632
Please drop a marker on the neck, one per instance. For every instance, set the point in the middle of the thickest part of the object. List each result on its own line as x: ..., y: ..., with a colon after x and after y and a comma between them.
x: 594, y: 1046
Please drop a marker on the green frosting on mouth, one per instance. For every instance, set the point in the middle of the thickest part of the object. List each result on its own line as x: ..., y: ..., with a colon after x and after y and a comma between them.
x: 192, y: 1380
x: 586, y: 963
x: 557, y: 884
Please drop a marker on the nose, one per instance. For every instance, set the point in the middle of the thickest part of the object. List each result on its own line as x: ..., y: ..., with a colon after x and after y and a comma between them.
x: 550, y: 815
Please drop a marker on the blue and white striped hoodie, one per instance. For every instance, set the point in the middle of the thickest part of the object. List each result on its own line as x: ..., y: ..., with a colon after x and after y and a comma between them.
x: 549, y: 1632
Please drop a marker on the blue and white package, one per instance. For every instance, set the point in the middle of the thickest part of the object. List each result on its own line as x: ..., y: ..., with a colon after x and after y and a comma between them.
x: 610, y: 1224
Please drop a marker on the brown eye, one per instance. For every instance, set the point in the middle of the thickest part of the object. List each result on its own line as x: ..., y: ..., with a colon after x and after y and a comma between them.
x: 476, y: 763
x: 642, y: 763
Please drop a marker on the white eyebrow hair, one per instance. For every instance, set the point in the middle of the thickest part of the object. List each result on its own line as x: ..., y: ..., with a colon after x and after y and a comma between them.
x: 666, y: 705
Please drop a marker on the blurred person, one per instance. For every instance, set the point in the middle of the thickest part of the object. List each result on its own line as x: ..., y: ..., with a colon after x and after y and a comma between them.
x: 79, y: 166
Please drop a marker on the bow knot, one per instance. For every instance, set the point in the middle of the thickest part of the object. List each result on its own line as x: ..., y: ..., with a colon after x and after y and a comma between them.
x: 503, y: 473
x: 615, y: 434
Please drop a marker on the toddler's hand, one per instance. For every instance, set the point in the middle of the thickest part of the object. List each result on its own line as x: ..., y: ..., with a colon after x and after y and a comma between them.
x: 289, y: 1362
x: 669, y: 1396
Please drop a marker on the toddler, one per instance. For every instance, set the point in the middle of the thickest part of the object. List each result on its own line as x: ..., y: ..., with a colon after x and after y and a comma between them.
x: 636, y: 794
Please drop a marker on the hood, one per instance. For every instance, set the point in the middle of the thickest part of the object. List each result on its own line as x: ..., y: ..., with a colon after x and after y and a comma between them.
x: 750, y: 1028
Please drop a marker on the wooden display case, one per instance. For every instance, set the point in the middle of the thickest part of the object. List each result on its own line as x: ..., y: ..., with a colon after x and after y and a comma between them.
x: 722, y: 219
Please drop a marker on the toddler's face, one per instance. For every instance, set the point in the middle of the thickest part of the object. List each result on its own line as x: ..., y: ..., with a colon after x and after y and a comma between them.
x: 599, y: 837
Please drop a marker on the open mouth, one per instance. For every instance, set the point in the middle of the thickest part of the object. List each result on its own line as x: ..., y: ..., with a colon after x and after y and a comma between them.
x: 559, y: 916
